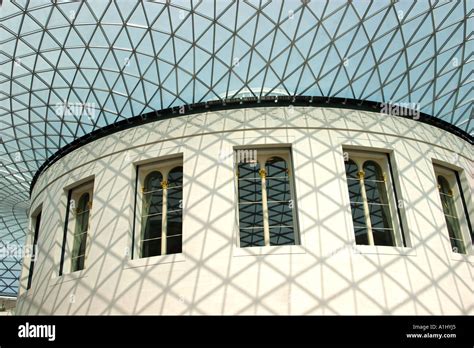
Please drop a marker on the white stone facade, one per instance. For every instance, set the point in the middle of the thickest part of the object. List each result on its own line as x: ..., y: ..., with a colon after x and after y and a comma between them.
x: 325, y: 274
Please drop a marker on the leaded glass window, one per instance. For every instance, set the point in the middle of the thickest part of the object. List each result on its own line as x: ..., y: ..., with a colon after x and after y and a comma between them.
x: 77, y: 228
x: 454, y: 209
x: 80, y: 233
x: 161, y: 211
x: 152, y: 217
x: 372, y: 200
x: 266, y: 208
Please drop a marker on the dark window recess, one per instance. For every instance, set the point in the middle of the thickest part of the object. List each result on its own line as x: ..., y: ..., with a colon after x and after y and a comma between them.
x: 34, y: 250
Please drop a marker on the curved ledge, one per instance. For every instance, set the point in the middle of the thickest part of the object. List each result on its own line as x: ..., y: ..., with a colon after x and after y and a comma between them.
x: 226, y: 104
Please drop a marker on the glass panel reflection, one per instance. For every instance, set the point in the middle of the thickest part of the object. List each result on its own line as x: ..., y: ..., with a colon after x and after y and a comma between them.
x: 280, y: 208
x: 377, y: 200
x: 450, y: 214
x: 152, y: 215
x: 250, y: 205
x: 80, y: 233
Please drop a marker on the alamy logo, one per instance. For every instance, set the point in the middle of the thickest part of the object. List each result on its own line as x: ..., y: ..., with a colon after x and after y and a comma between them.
x: 401, y: 109
x: 246, y: 156
x: 33, y: 331
x: 240, y: 156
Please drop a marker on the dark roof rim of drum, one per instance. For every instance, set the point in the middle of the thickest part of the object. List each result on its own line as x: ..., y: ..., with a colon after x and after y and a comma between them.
x: 242, y: 103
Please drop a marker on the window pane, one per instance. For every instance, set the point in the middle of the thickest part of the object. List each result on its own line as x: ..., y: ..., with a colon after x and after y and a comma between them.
x: 276, y: 167
x: 152, y: 194
x: 251, y: 237
x: 175, y: 177
x: 280, y: 214
x: 82, y: 244
x: 175, y: 196
x: 250, y: 190
x: 174, y: 244
x: 82, y: 222
x: 249, y: 182
x: 373, y: 190
x: 380, y: 216
x: 249, y: 171
x: 152, y: 203
x: 454, y: 230
x: 278, y: 190
x: 151, y: 224
x: 379, y: 209
x: 80, y: 233
x: 450, y: 214
x: 446, y: 196
x: 355, y: 193
x: 361, y: 235
x: 174, y: 224
x: 78, y: 252
x: 357, y: 205
x: 153, y: 181
x: 78, y: 263
x: 383, y: 236
x: 282, y: 236
x: 250, y: 205
x: 151, y: 227
x: 358, y: 215
x: 374, y: 183
x: 372, y: 171
x: 82, y: 204
x: 151, y: 248
x: 352, y: 171
x: 250, y: 215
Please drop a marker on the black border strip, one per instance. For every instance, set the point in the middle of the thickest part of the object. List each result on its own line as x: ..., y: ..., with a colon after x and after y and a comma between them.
x: 248, y: 102
x: 187, y: 331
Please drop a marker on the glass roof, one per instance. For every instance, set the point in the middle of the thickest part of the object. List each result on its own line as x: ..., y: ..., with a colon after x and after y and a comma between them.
x: 70, y: 67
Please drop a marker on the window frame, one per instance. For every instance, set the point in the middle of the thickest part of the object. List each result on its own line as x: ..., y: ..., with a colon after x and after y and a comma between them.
x: 452, y: 177
x: 164, y: 167
x: 360, y: 157
x: 264, y: 153
x: 74, y: 194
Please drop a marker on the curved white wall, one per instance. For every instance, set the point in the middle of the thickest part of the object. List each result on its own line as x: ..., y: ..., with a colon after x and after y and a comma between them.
x: 324, y: 275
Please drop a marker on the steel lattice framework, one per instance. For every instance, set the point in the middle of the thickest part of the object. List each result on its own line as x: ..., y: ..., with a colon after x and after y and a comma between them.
x: 68, y: 68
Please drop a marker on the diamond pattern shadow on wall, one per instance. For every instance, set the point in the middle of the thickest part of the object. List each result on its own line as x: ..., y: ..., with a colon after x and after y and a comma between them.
x: 68, y: 68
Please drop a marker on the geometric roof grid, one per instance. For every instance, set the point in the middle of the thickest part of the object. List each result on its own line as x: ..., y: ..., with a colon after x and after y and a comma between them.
x: 68, y: 68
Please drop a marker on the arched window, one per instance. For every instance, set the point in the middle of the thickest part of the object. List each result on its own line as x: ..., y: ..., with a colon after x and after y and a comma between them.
x: 266, y: 215
x: 152, y: 215
x: 80, y: 232
x: 451, y: 216
x: 279, y: 202
x: 76, y: 228
x: 369, y: 200
x: 377, y: 201
x: 162, y: 209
